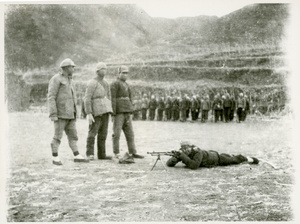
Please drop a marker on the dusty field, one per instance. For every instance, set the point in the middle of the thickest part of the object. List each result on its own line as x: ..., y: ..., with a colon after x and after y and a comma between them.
x: 108, y: 191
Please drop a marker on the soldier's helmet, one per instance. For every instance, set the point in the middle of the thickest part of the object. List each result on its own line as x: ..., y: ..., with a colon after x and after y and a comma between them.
x: 67, y: 62
x: 123, y: 68
x: 184, y: 143
x: 100, y: 65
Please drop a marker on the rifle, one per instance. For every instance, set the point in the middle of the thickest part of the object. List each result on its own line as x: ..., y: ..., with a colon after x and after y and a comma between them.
x: 158, y: 154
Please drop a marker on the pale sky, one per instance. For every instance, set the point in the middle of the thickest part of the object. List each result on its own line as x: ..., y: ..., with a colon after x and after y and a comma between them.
x: 188, y: 8
x: 170, y: 8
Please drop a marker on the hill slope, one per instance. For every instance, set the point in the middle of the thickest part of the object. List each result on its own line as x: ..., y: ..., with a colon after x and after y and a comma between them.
x: 40, y: 35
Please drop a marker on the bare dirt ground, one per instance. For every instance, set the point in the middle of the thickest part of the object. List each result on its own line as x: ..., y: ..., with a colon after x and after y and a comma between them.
x: 109, y: 191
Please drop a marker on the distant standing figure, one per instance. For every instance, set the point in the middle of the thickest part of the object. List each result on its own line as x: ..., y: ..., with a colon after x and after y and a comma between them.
x: 217, y: 104
x: 152, y: 108
x: 97, y: 102
x: 145, y: 106
x: 205, y: 107
x: 122, y: 113
x: 241, y: 104
x: 194, y: 108
x: 232, y: 110
x: 63, y: 110
x: 227, y: 107
x: 168, y: 108
x: 160, y: 109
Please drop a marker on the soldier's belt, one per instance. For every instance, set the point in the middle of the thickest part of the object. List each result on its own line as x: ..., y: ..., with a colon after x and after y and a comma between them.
x: 123, y: 98
x: 99, y: 97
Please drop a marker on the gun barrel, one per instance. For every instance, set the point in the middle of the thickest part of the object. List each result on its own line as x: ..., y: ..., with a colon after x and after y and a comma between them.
x: 159, y: 153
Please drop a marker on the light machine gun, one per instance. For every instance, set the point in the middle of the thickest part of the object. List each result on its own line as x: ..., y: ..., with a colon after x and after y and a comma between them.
x: 158, y: 154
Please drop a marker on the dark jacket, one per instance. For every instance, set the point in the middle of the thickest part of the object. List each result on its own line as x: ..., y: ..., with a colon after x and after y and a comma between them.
x: 121, y: 97
x: 198, y: 158
x: 217, y: 104
x: 227, y: 103
x: 205, y: 105
x: 161, y: 104
x: 153, y: 104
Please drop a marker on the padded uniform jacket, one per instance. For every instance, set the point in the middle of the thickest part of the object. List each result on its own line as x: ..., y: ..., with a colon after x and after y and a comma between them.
x: 62, y: 97
x: 97, y: 99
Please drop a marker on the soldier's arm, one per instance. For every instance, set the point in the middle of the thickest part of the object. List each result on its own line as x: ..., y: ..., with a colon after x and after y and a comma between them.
x: 108, y: 92
x: 113, y: 91
x: 172, y: 161
x: 52, y: 94
x: 192, y: 163
x: 88, y: 97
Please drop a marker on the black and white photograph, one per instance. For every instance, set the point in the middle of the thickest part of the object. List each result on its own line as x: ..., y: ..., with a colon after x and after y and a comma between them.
x: 149, y: 111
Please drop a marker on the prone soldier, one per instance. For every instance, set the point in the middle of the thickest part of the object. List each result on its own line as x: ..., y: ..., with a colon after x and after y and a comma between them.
x: 194, y: 157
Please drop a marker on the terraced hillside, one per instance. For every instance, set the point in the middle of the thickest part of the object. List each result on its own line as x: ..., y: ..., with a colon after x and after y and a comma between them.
x: 239, y: 52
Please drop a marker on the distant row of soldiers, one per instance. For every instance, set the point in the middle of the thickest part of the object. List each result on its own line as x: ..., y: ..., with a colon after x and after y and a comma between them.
x: 174, y: 108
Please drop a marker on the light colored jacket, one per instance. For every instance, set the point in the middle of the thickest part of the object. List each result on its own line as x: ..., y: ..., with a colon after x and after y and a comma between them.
x: 97, y: 99
x: 62, y: 97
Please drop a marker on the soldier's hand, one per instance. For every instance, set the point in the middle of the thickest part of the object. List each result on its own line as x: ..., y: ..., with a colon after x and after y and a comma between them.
x: 175, y: 153
x: 91, y: 119
x: 54, y: 119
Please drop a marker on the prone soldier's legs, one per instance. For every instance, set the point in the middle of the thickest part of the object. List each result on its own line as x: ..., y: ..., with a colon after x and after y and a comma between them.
x: 226, y: 159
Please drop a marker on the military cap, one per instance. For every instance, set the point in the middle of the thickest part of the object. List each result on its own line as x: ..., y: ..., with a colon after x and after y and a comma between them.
x: 67, y: 62
x: 100, y: 65
x: 123, y: 68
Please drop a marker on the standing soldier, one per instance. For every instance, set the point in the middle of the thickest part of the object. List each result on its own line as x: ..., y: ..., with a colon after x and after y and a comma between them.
x: 145, y: 106
x: 152, y: 107
x: 222, y: 108
x: 205, y: 107
x: 168, y: 108
x: 122, y: 110
x: 188, y: 105
x: 183, y: 108
x: 233, y: 107
x: 247, y: 108
x: 216, y: 107
x: 227, y: 107
x: 160, y: 109
x: 199, y: 106
x: 97, y: 102
x: 175, y: 108
x: 63, y: 111
x: 194, y: 108
x: 241, y: 104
